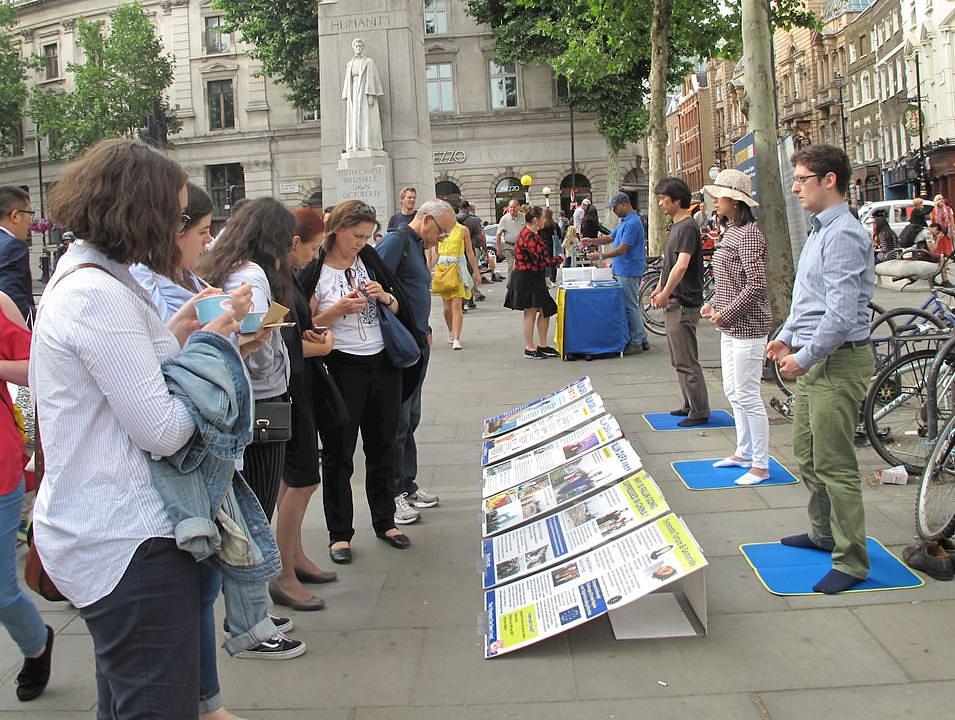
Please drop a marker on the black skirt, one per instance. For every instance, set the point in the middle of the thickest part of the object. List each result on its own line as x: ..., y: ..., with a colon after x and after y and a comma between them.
x: 528, y: 289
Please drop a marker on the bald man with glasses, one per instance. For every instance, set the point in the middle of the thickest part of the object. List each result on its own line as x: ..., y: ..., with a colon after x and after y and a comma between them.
x: 16, y: 217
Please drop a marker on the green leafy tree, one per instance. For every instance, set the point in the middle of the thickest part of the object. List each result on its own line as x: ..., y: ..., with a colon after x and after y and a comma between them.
x: 125, y: 75
x: 13, y: 86
x: 283, y: 35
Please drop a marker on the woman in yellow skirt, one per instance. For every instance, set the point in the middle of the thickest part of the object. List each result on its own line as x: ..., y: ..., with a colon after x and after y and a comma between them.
x: 455, y: 249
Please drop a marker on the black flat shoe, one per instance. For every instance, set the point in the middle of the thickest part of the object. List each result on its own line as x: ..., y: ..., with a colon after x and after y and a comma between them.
x: 396, y: 541
x: 323, y: 577
x: 342, y: 556
x: 32, y: 680
x: 680, y: 413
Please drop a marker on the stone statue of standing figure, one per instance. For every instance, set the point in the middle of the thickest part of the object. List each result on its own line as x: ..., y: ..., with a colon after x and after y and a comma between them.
x: 361, y: 92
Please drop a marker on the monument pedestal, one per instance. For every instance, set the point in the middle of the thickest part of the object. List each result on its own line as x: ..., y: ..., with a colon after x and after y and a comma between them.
x: 366, y: 175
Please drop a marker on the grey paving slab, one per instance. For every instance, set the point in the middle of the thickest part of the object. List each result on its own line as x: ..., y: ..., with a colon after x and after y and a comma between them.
x: 922, y: 644
x: 453, y: 671
x: 712, y: 707
x: 343, y: 668
x: 730, y: 589
x: 888, y: 702
x: 743, y: 653
x: 451, y: 599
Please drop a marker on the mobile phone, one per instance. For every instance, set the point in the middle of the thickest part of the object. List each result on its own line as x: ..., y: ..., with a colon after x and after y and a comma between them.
x: 320, y: 329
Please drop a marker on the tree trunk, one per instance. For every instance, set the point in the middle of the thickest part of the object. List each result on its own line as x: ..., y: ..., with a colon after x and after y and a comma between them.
x: 613, y: 182
x: 657, y: 137
x: 759, y: 84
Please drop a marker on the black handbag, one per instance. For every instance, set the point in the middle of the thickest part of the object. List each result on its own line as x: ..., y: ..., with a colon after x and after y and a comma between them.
x: 273, y: 422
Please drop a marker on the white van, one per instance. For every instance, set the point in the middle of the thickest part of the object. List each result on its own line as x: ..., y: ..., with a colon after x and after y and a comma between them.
x: 897, y: 212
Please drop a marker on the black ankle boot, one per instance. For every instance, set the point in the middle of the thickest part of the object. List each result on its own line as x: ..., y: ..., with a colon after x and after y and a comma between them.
x: 32, y: 680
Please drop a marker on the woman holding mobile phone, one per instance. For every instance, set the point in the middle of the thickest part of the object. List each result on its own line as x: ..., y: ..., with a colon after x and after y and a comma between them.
x: 349, y: 297
x: 305, y: 347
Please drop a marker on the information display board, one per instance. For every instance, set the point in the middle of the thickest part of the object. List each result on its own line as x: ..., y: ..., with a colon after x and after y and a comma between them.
x: 516, y: 417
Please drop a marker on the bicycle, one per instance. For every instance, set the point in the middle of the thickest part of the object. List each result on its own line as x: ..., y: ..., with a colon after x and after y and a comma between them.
x: 784, y: 406
x: 654, y: 319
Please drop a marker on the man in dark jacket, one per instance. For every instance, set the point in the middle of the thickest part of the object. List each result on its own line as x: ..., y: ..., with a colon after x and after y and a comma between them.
x: 16, y: 216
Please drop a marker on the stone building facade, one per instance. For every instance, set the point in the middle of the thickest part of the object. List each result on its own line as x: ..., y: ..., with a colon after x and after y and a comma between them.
x: 491, y: 123
x: 696, y: 129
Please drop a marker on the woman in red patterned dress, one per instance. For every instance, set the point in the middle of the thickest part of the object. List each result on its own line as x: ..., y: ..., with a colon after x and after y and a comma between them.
x: 527, y: 289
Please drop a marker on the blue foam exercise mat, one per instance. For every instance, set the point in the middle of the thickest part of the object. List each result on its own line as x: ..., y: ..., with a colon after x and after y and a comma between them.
x: 785, y: 570
x: 701, y: 475
x: 664, y: 421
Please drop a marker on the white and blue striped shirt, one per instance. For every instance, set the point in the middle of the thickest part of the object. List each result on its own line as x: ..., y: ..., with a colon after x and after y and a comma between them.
x: 102, y: 403
x: 834, y: 283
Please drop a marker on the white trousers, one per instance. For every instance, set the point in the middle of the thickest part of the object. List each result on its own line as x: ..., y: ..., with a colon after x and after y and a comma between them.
x: 742, y: 361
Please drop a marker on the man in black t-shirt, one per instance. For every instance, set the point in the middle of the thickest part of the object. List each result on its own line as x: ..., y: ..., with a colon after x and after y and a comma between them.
x: 680, y: 291
x: 406, y: 212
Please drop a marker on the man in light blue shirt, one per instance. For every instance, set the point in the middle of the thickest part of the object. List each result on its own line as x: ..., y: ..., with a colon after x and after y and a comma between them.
x: 825, y: 343
x: 628, y: 250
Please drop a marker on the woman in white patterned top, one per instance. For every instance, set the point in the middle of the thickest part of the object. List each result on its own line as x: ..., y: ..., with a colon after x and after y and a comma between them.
x: 740, y: 309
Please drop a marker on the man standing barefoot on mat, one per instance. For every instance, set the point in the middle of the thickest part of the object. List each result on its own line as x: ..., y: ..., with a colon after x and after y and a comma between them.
x: 825, y: 343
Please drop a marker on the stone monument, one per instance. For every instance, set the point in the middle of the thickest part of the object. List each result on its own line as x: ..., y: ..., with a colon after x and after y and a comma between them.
x: 376, y: 129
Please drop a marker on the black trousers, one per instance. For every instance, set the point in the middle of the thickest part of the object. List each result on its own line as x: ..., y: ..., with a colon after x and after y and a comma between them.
x: 263, y: 465
x: 146, y: 637
x: 371, y: 388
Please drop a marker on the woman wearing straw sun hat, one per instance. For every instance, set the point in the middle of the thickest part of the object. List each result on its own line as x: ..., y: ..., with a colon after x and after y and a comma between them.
x: 740, y: 309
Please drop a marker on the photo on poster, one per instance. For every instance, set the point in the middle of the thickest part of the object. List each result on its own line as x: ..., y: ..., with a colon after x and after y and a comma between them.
x: 543, y: 459
x: 540, y: 431
x: 553, y: 600
x: 578, y: 528
x: 519, y: 416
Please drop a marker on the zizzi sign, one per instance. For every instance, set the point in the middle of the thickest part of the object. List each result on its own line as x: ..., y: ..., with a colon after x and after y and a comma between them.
x: 450, y: 157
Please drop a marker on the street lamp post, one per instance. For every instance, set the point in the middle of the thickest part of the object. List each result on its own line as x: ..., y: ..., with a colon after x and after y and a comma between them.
x: 840, y: 82
x: 923, y: 180
x: 527, y: 181
x: 546, y: 193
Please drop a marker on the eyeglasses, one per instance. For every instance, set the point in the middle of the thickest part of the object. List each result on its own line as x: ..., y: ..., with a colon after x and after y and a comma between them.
x: 31, y: 213
x: 801, y: 179
x: 350, y: 278
x: 442, y: 234
x: 184, y: 221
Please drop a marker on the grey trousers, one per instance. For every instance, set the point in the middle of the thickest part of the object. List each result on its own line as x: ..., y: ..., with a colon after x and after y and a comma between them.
x: 684, y: 356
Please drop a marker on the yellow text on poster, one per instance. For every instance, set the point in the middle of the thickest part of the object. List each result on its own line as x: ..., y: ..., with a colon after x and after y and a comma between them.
x: 685, y: 550
x: 644, y: 496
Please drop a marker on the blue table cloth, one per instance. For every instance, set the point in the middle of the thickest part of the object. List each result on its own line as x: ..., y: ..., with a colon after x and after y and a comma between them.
x: 593, y: 321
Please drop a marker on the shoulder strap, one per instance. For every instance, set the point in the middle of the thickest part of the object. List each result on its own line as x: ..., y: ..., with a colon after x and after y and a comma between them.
x: 405, y: 246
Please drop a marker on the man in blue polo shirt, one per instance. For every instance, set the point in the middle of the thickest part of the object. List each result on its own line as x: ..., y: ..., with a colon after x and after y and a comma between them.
x: 628, y: 251
x: 403, y: 251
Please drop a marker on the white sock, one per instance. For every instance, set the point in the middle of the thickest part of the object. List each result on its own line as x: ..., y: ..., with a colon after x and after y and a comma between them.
x: 730, y: 462
x: 749, y: 479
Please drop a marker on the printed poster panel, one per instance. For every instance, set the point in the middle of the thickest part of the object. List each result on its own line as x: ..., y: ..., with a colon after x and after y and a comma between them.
x: 519, y: 416
x: 559, y: 487
x: 549, y: 602
x: 547, y: 457
x: 581, y: 527
x: 498, y: 448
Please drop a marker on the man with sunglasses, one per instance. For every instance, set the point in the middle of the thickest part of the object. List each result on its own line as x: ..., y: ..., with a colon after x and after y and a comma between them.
x: 403, y: 251
x: 825, y: 344
x: 16, y: 217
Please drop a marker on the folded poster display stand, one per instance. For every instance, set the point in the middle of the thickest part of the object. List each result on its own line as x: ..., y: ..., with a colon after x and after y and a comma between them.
x: 575, y: 528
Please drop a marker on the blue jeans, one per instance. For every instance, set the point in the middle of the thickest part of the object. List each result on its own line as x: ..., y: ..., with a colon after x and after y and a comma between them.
x: 406, y: 451
x: 630, y: 284
x: 210, y: 584
x: 18, y: 614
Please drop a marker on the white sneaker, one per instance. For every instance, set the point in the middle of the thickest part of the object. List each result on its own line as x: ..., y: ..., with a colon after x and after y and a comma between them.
x: 422, y: 499
x: 404, y: 513
x: 455, y: 344
x: 450, y: 338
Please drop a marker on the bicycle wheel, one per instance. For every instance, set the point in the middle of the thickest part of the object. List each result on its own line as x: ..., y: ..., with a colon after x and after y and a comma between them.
x: 902, y: 331
x: 936, y: 500
x: 653, y: 319
x: 894, y: 414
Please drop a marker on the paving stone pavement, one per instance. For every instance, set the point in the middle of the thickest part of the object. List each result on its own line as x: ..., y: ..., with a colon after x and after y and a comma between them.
x: 398, y: 640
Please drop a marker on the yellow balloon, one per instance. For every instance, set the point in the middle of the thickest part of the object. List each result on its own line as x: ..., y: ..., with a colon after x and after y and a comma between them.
x: 527, y: 181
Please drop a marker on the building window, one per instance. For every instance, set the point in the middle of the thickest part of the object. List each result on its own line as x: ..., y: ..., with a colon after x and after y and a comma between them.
x: 669, y: 164
x: 51, y: 61
x: 679, y: 160
x: 440, y: 88
x: 221, y: 105
x: 226, y: 185
x: 503, y: 85
x: 309, y: 114
x: 435, y: 17
x: 218, y: 40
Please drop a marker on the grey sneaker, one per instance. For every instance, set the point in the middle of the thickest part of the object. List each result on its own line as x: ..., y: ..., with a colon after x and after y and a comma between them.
x: 404, y: 513
x: 420, y: 499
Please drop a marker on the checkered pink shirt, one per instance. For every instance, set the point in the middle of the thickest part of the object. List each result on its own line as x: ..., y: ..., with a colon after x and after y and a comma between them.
x: 739, y: 267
